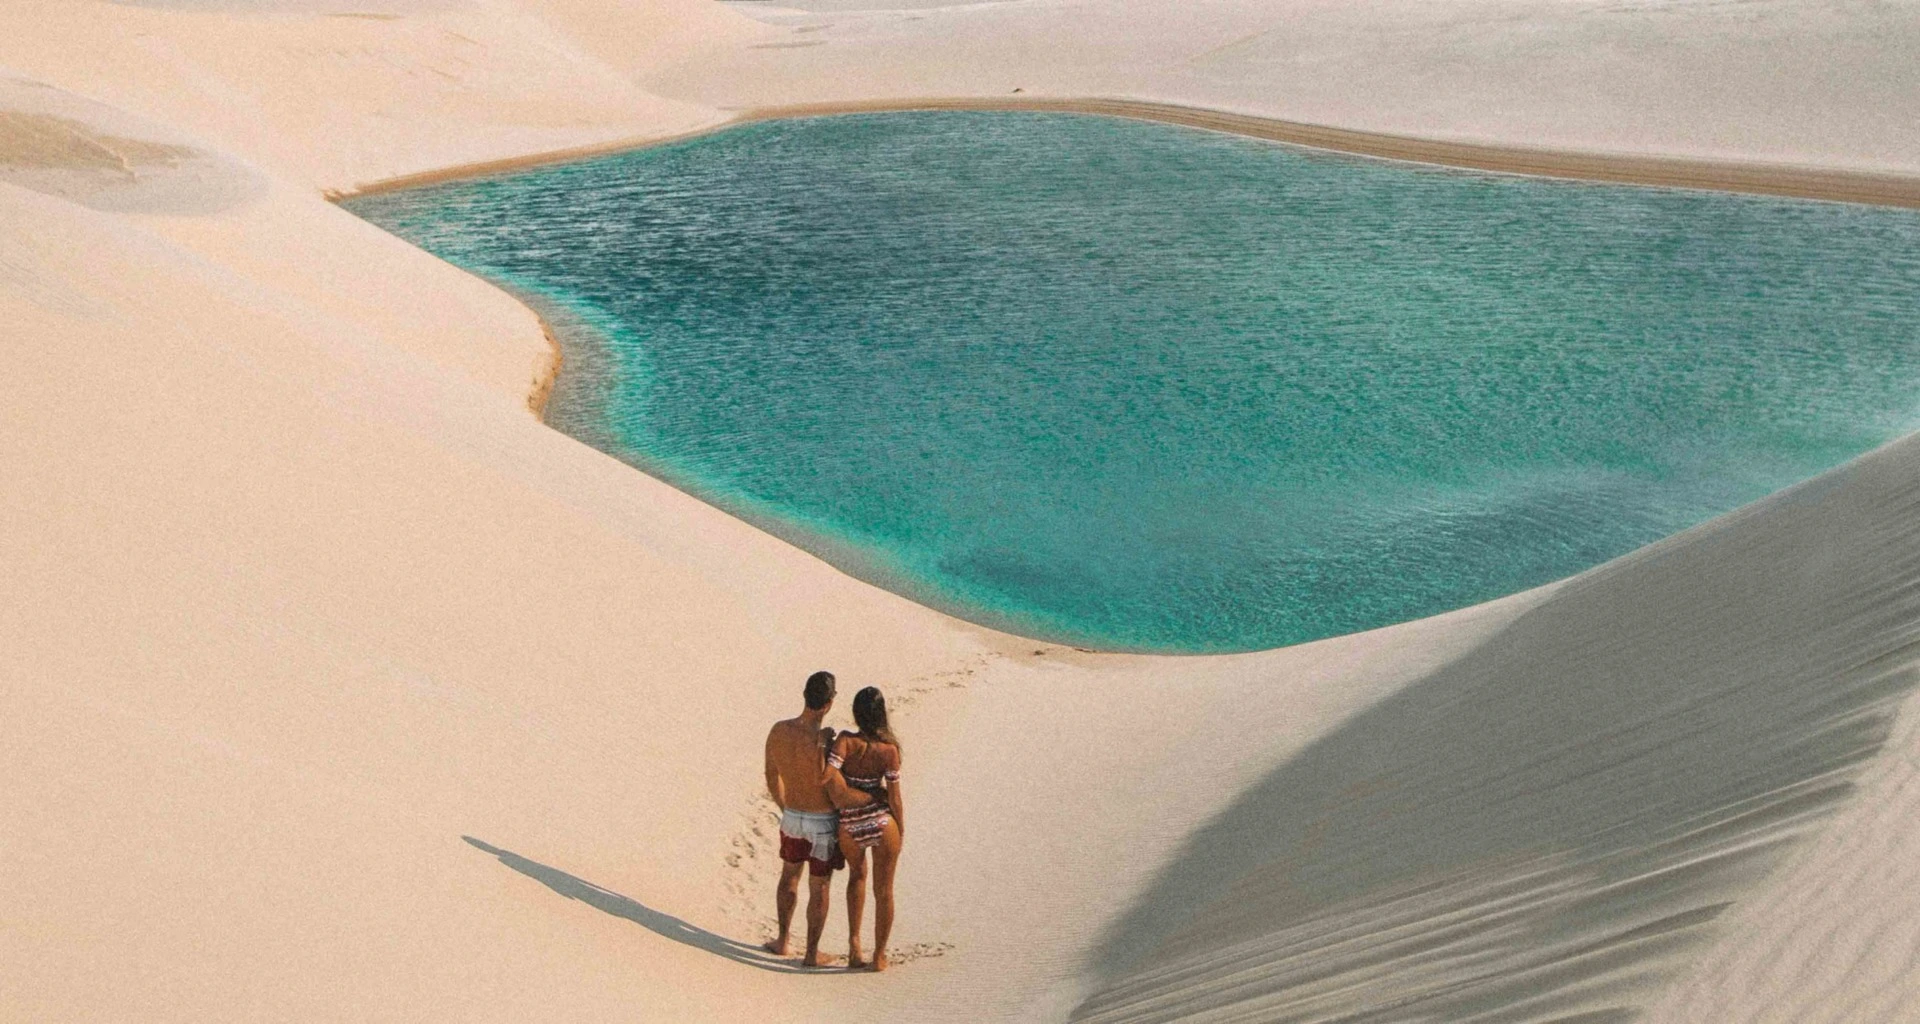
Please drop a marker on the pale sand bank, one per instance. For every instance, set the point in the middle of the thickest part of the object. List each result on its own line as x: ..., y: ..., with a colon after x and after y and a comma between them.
x: 1636, y: 169
x: 301, y: 597
x: 1876, y: 189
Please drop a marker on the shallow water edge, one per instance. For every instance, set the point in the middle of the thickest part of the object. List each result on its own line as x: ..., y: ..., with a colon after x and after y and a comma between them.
x: 1754, y: 178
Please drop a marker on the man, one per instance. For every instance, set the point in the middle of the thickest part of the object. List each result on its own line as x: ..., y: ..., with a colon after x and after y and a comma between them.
x: 796, y: 770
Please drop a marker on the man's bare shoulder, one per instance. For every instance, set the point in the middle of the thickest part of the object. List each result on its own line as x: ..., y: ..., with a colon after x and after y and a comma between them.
x: 791, y: 730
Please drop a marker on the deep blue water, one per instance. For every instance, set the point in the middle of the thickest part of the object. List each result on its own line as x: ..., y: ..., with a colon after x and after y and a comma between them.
x: 1138, y: 386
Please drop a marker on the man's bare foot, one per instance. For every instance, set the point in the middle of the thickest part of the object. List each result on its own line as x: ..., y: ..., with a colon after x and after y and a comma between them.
x: 879, y: 961
x: 855, y: 960
x: 778, y: 947
x: 816, y: 960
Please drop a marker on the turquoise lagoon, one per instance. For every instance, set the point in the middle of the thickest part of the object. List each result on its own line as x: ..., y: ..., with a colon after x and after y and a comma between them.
x: 1135, y: 386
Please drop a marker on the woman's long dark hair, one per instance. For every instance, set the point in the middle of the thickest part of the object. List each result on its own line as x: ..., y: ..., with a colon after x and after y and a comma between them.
x: 870, y: 714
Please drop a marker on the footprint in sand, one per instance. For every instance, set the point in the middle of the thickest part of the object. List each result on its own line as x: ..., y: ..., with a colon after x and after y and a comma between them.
x: 918, y: 951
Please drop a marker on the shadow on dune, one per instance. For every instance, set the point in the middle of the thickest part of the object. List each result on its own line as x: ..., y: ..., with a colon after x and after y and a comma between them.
x: 609, y: 902
x: 1545, y: 829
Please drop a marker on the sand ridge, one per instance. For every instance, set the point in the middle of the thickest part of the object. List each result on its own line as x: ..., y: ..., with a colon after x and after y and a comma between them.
x: 1534, y: 834
x: 60, y: 144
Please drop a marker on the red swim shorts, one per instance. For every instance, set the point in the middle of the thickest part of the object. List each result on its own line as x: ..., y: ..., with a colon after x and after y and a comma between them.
x: 793, y: 850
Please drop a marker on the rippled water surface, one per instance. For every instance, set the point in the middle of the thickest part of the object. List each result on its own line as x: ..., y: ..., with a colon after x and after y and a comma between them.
x: 1138, y: 386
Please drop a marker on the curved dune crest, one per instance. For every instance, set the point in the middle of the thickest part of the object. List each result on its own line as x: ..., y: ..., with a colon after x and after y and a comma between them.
x: 63, y: 145
x: 1546, y: 828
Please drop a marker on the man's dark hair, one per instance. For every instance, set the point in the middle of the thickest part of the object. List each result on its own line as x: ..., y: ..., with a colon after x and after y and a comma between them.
x: 819, y: 690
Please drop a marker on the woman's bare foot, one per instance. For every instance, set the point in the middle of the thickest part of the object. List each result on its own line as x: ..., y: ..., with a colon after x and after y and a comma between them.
x: 775, y: 946
x: 879, y: 961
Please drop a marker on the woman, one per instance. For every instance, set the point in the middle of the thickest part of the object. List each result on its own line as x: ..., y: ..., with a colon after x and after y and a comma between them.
x: 863, y: 781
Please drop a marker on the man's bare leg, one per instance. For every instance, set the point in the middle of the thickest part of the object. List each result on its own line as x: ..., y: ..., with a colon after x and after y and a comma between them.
x: 785, y: 896
x: 885, y: 856
x: 819, y: 891
x: 856, y: 901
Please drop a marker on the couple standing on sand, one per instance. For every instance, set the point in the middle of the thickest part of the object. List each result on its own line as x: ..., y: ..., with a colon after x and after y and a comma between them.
x: 839, y: 796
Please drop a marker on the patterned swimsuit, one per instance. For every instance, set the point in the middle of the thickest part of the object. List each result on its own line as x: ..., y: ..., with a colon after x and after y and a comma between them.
x: 867, y: 767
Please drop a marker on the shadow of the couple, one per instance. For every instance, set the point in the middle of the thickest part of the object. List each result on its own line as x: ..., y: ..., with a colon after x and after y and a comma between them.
x: 609, y: 902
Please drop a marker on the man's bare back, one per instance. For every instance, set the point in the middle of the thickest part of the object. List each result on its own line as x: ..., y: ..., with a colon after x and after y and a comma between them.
x: 797, y: 764
x: 796, y: 779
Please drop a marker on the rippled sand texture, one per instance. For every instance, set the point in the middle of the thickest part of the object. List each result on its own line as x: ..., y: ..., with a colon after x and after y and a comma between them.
x: 1142, y: 387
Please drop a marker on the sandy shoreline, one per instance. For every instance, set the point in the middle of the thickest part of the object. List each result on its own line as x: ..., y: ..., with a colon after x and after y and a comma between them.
x: 486, y: 168
x: 1631, y: 169
x: 548, y: 374
x: 1828, y: 184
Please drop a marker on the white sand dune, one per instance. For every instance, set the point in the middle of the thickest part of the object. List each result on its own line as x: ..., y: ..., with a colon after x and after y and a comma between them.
x: 1542, y: 828
x: 338, y: 687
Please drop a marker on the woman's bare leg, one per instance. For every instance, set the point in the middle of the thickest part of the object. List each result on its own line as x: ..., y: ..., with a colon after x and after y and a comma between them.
x: 856, y: 897
x: 886, y: 856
